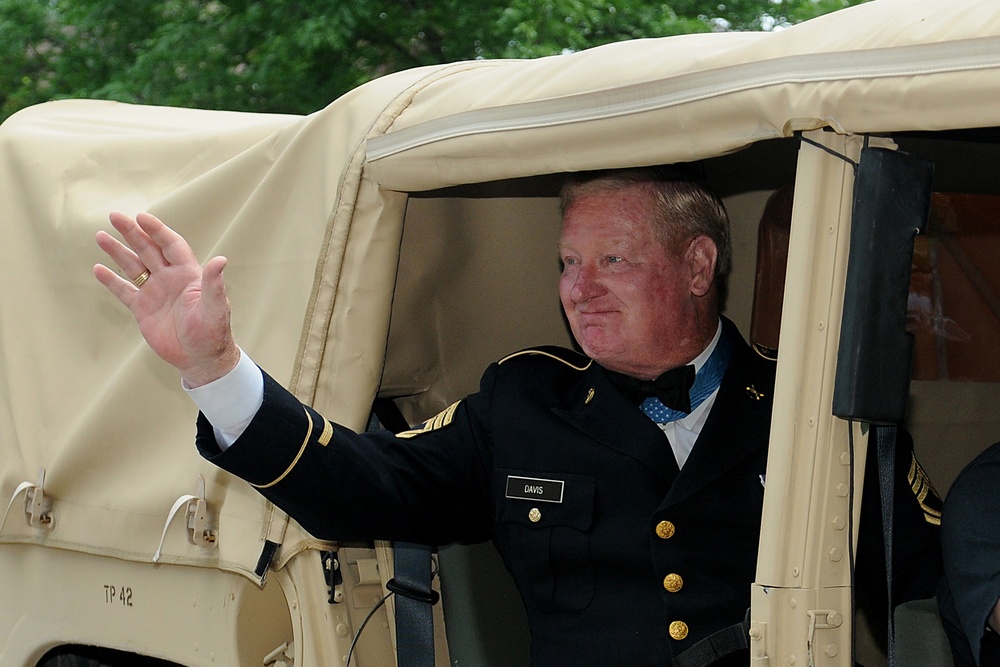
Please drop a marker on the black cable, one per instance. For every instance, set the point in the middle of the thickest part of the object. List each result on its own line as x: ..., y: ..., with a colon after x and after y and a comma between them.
x: 357, y: 635
x: 854, y: 165
x: 378, y: 605
x: 850, y: 541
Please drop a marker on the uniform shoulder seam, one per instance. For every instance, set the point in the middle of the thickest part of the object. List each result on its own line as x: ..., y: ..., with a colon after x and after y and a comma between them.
x: 770, y: 354
x: 553, y: 353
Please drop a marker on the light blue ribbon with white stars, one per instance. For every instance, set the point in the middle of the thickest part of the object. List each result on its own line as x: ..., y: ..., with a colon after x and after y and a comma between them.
x: 707, y: 380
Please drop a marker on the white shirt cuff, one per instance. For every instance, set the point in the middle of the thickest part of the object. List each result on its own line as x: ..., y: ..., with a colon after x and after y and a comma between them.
x: 231, y: 402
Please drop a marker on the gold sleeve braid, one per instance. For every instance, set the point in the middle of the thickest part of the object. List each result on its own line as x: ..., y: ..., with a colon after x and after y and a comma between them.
x: 922, y: 487
x: 324, y: 439
x: 440, y: 420
x: 446, y: 416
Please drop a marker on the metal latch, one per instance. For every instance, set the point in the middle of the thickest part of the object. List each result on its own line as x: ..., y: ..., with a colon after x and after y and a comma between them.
x: 196, y: 510
x: 37, y: 508
x: 334, y: 576
x: 197, y: 523
x: 39, y: 511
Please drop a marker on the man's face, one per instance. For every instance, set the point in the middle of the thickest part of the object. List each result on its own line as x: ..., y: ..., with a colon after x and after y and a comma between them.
x: 633, y: 306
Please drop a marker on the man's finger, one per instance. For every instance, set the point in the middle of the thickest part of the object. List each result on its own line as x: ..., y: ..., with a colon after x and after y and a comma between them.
x: 172, y: 246
x: 138, y: 240
x: 122, y: 255
x: 122, y: 289
x: 213, y: 287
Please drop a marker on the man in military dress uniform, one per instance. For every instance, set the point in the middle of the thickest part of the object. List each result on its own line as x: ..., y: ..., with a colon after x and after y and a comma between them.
x: 623, y: 487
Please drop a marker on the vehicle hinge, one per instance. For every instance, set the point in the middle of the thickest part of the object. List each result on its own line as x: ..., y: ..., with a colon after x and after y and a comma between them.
x: 758, y: 644
x: 283, y: 656
x: 196, y: 510
x: 334, y: 576
x: 822, y: 619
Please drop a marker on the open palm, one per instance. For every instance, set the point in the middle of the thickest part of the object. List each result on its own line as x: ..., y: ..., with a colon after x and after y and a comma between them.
x: 181, y: 307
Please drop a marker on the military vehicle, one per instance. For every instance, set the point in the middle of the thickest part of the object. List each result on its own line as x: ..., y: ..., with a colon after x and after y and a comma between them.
x: 394, y: 243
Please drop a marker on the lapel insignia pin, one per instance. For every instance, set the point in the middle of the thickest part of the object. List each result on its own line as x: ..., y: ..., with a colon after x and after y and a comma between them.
x: 590, y: 396
x: 753, y: 393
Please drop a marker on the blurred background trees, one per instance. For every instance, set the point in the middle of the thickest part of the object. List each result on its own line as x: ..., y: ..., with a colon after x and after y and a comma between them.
x: 295, y: 56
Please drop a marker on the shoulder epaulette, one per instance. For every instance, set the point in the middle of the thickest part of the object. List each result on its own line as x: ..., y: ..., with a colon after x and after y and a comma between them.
x: 574, y: 360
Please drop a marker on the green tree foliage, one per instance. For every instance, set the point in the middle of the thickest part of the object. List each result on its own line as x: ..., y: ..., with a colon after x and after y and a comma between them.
x: 294, y: 56
x: 26, y: 47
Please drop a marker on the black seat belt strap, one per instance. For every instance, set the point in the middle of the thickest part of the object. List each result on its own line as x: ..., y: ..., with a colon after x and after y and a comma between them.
x: 885, y: 443
x: 717, y: 645
x: 411, y: 581
x: 415, y: 601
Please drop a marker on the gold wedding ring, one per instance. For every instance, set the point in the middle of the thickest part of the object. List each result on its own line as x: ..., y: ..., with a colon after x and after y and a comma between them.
x: 141, y: 278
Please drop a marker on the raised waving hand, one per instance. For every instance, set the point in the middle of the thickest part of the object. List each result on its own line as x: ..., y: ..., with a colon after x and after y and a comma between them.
x: 181, y: 307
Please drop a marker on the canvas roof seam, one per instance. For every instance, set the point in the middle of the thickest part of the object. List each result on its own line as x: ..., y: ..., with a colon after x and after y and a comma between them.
x: 910, y: 60
x: 314, y: 337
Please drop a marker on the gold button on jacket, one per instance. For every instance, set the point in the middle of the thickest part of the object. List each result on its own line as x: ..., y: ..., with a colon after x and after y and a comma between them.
x: 678, y: 630
x: 665, y: 530
x: 673, y: 582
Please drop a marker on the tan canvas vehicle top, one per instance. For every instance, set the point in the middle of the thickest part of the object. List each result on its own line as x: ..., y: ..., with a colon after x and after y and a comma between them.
x: 395, y: 243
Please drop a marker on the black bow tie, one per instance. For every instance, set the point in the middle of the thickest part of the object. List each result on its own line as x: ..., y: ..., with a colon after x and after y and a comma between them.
x: 671, y: 388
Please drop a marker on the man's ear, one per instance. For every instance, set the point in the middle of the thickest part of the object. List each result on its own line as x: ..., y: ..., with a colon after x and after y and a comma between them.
x: 701, y: 257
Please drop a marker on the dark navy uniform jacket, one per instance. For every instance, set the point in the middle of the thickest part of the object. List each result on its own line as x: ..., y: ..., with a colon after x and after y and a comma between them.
x: 620, y: 558
x: 971, y: 545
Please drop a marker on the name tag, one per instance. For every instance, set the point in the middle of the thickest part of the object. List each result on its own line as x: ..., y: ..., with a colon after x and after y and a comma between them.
x: 531, y: 488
